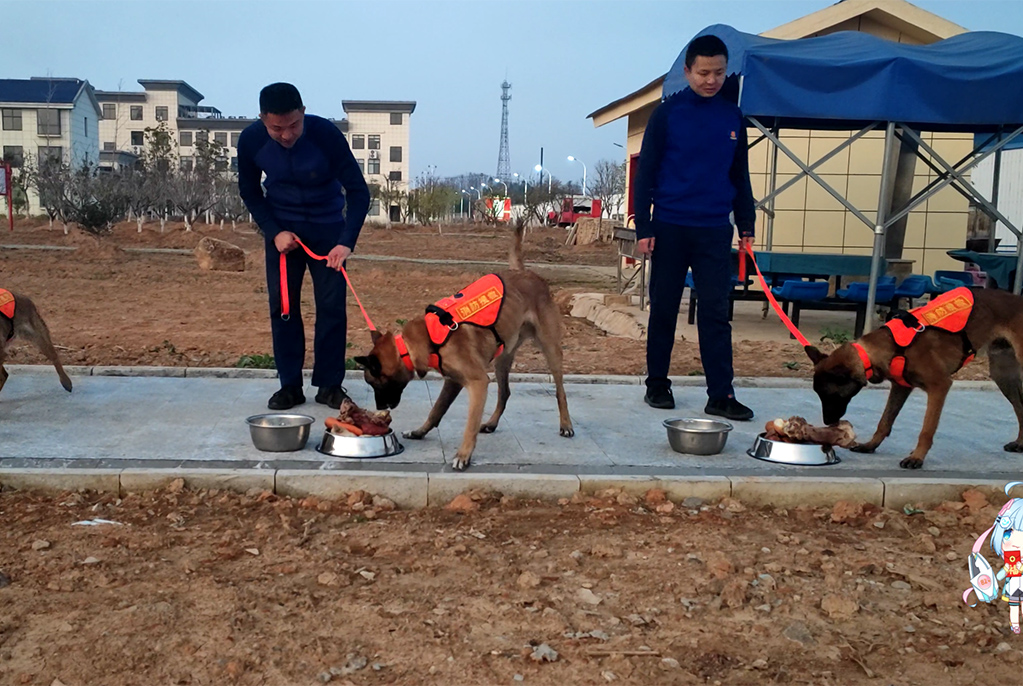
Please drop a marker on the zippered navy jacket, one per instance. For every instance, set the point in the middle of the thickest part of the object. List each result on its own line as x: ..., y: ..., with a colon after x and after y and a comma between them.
x: 303, y: 184
x: 694, y: 167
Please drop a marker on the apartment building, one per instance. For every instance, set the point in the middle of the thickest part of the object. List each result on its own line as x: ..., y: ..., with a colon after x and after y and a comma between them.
x: 379, y: 134
x: 45, y: 118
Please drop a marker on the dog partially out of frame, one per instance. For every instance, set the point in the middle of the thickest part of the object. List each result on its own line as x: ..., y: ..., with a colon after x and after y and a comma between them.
x: 995, y: 324
x: 26, y: 325
x: 527, y: 312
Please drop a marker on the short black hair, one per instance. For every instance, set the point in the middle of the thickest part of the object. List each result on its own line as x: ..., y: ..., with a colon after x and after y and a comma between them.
x: 279, y: 98
x: 705, y: 46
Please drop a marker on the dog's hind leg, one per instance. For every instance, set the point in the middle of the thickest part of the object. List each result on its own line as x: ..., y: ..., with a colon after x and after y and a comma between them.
x: 3, y: 370
x: 33, y: 329
x: 447, y: 395
x: 477, y: 399
x: 936, y: 394
x: 1006, y: 373
x: 896, y: 399
x: 548, y: 335
x: 502, y: 367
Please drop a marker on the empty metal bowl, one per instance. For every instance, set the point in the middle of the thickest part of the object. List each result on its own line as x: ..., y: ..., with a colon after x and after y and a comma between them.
x: 279, y: 433
x: 360, y: 447
x: 799, y: 454
x: 697, y: 436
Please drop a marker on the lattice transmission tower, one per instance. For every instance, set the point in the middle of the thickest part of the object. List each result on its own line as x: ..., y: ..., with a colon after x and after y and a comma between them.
x: 503, y: 157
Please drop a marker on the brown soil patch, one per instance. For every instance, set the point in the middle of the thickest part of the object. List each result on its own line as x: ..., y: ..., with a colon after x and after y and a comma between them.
x: 222, y: 588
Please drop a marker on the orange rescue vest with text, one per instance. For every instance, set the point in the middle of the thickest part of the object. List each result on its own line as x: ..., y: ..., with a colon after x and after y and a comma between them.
x: 7, y: 307
x: 948, y: 312
x: 479, y: 304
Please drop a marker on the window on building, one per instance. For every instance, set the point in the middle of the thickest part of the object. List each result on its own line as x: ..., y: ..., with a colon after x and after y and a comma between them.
x: 161, y: 113
x: 136, y: 112
x: 396, y: 118
x: 374, y: 207
x: 358, y: 141
x: 203, y: 136
x: 362, y: 166
x: 12, y: 120
x: 14, y: 155
x: 109, y: 146
x: 234, y: 139
x: 109, y: 110
x: 373, y: 167
x: 186, y: 138
x: 48, y: 122
x: 374, y: 142
x: 86, y: 126
x: 234, y: 164
x: 395, y: 153
x: 48, y: 154
x: 221, y: 138
x: 185, y: 162
x: 394, y: 175
x: 138, y: 138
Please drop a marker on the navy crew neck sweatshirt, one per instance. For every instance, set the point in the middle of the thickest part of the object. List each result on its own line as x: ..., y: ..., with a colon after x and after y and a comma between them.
x: 694, y: 167
x: 303, y: 183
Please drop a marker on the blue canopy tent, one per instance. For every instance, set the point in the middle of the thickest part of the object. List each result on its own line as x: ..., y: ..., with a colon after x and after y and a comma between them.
x: 850, y: 80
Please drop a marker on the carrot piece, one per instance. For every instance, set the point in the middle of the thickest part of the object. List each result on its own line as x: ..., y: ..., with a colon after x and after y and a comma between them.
x: 335, y: 423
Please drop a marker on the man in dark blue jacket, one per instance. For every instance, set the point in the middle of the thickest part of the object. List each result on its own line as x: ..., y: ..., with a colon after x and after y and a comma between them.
x: 307, y: 163
x: 694, y: 170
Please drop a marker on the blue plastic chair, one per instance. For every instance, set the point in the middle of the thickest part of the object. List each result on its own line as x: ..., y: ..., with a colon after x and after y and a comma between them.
x: 802, y: 291
x: 915, y: 286
x: 857, y: 292
x: 945, y: 280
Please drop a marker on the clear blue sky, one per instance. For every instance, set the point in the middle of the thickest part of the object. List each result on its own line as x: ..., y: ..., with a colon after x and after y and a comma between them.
x: 564, y: 59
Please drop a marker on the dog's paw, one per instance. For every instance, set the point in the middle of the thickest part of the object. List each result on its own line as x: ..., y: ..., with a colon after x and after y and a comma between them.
x: 413, y: 435
x: 488, y: 428
x: 567, y: 431
x: 912, y: 463
x: 1014, y: 447
x: 862, y: 448
x: 460, y: 463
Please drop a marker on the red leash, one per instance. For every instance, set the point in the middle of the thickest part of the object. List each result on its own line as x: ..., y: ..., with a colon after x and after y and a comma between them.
x: 286, y: 308
x: 744, y: 250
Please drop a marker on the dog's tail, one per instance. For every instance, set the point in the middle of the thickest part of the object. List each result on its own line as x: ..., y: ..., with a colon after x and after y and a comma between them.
x: 515, y: 256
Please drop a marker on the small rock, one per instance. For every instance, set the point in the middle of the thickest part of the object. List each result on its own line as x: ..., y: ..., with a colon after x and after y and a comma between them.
x: 176, y: 486
x: 847, y: 512
x: 527, y: 580
x: 90, y: 560
x: 40, y: 545
x: 636, y: 620
x: 1003, y: 646
x: 732, y: 505
x: 327, y: 579
x: 798, y: 633
x: 609, y: 675
x: 692, y: 503
x: 626, y: 499
x: 605, y: 550
x: 719, y: 565
x: 839, y: 606
x: 543, y: 653
x: 56, y: 682
x: 4, y: 580
x: 252, y: 551
x: 766, y: 607
x: 670, y: 662
x: 900, y: 585
x: 599, y: 635
x: 325, y: 677
x: 384, y: 504
x: 974, y: 499
x: 734, y: 593
x: 576, y: 555
x: 879, y: 524
x: 951, y: 556
x: 909, y: 629
x: 462, y: 503
x: 235, y: 669
x: 518, y: 677
x: 760, y: 664
x: 589, y: 597
x: 934, y: 531
x: 367, y: 575
x: 665, y: 508
x: 655, y: 497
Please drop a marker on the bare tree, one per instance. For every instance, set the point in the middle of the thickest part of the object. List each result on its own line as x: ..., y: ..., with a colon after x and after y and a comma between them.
x: 608, y: 185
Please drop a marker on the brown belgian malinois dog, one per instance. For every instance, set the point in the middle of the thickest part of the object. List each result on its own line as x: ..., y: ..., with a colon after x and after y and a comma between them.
x: 27, y: 325
x: 994, y: 324
x: 527, y: 311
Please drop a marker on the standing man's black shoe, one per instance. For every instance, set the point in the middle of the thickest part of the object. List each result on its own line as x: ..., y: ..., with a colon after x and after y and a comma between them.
x: 729, y: 408
x: 331, y: 396
x: 659, y: 398
x: 286, y: 398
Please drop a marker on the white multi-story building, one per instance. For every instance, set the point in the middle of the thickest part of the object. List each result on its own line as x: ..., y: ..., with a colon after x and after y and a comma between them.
x: 378, y: 133
x: 46, y: 118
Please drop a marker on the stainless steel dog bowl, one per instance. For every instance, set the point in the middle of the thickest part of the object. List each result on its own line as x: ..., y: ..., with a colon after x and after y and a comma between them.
x: 697, y: 436
x: 279, y: 433
x: 360, y: 447
x: 799, y: 454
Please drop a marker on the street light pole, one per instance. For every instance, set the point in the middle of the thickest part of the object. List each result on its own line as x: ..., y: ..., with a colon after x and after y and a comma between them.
x: 461, y: 203
x: 573, y: 159
x: 496, y: 180
x: 541, y: 169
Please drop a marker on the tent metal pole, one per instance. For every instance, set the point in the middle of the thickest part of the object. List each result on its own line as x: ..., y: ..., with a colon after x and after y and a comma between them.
x: 773, y: 186
x: 1017, y: 283
x: 879, y: 226
x: 996, y: 179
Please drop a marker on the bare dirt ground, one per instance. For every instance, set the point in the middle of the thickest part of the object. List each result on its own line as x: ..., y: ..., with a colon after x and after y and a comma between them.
x: 213, y: 587
x: 106, y: 306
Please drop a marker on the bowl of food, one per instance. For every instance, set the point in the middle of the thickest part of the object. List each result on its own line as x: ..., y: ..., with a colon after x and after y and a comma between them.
x: 697, y: 436
x: 794, y: 441
x: 359, y: 434
x: 279, y: 432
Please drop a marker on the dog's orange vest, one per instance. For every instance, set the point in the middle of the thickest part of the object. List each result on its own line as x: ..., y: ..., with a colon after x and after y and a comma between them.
x: 478, y: 304
x: 7, y: 307
x: 948, y: 312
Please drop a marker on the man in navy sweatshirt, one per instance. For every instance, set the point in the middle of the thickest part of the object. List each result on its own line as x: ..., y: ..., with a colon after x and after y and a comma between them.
x: 307, y: 163
x: 694, y: 170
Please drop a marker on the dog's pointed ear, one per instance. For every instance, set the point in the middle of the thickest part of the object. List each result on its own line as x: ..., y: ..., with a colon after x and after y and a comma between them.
x: 375, y: 335
x: 814, y: 354
x: 370, y: 363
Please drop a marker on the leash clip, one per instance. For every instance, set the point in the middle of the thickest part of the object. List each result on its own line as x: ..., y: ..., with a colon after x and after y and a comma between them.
x: 453, y: 327
x: 920, y: 329
x: 285, y: 317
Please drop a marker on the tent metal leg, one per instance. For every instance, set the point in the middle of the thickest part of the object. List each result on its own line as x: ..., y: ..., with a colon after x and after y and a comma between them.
x: 1018, y: 281
x: 879, y: 226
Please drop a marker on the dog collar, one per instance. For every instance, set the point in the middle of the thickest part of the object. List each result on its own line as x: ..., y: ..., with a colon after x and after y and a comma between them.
x: 865, y: 359
x: 399, y: 342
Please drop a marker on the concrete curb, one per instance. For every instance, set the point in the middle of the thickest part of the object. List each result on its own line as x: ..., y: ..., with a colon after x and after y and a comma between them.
x: 603, y: 379
x: 410, y: 490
